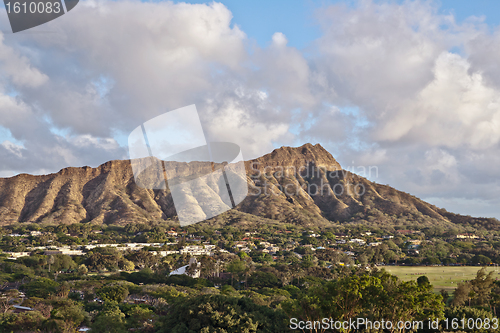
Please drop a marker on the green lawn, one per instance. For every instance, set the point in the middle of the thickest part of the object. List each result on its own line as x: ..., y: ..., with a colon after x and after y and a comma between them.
x: 441, y: 277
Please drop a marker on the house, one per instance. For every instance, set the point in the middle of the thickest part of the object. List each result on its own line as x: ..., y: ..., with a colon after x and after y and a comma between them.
x: 374, y: 244
x: 240, y: 244
x: 358, y: 241
x: 183, y: 270
x: 164, y: 253
x: 140, y: 301
x: 194, y: 240
x: 171, y: 233
x: 197, y: 250
x: 273, y: 249
x: 467, y: 236
x: 245, y: 249
x: 52, y: 252
x: 19, y: 309
x: 388, y: 237
x: 15, y: 255
x: 413, y: 244
x: 72, y: 252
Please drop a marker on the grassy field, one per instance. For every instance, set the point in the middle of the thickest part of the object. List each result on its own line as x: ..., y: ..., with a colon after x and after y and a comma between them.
x: 441, y: 277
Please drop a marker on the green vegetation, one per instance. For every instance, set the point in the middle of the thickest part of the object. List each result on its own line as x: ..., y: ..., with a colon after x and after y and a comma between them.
x: 253, y: 280
x: 441, y: 277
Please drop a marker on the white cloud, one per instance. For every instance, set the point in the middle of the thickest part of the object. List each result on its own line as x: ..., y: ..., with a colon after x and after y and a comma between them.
x: 433, y: 116
x: 456, y: 109
x: 18, y: 69
x: 428, y: 118
x: 12, y: 147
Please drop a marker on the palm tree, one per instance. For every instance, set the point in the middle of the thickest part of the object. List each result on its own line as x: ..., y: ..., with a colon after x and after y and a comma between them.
x: 50, y: 260
x: 249, y: 269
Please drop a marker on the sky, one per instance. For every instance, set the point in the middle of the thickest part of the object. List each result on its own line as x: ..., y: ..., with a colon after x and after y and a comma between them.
x: 411, y: 88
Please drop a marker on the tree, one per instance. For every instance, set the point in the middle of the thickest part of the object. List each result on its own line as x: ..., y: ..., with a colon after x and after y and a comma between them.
x: 7, y: 298
x: 242, y: 255
x: 220, y: 313
x: 367, y: 295
x: 113, y: 293
x: 41, y: 287
x: 63, y: 262
x: 482, y: 286
x: 237, y: 267
x: 143, y: 259
x: 21, y: 322
x: 261, y: 280
x: 481, y: 260
x: 110, y: 320
x: 423, y: 281
x: 444, y: 293
x: 140, y: 318
x: 363, y: 260
x: 338, y: 299
x: 461, y: 294
x: 207, y: 266
x: 249, y: 269
x: 466, y: 313
x: 50, y: 260
x: 63, y: 290
x: 66, y: 318
x: 82, y: 269
x: 128, y: 265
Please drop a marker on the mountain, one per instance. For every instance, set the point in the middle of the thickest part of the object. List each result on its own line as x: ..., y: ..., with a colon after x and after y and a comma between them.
x: 303, y: 185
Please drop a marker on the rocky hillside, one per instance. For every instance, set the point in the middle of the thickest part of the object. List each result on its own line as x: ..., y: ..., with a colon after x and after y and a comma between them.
x: 303, y: 185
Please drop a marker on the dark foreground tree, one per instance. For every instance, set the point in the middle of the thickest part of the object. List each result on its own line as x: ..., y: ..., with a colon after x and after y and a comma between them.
x: 367, y: 296
x: 110, y: 320
x: 219, y: 313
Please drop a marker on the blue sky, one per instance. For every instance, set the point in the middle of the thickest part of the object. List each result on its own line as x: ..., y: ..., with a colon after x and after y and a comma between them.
x: 260, y: 19
x: 392, y: 84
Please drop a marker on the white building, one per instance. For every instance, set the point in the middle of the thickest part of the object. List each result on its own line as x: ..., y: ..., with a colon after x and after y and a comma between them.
x: 15, y: 255
x: 358, y: 241
x: 182, y: 270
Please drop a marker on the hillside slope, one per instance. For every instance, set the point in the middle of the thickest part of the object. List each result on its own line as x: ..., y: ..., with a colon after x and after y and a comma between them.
x: 303, y: 185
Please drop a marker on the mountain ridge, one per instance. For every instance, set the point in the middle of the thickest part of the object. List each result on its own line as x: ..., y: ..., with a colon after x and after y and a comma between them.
x: 300, y: 185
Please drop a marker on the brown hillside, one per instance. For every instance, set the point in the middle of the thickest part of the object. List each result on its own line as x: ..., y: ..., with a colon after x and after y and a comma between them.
x: 303, y: 185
